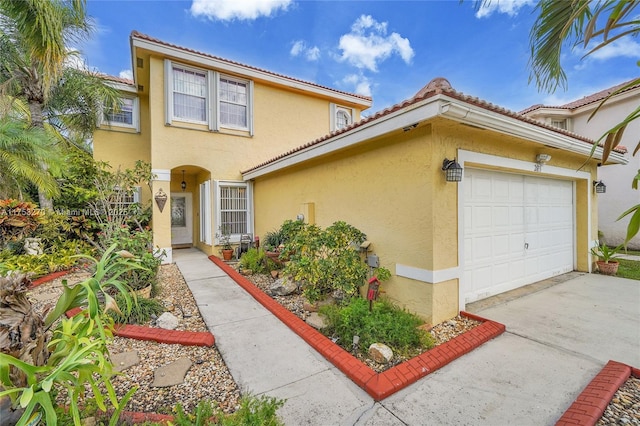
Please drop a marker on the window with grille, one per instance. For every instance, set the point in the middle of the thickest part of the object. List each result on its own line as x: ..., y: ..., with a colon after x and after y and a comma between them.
x: 342, y: 119
x: 233, y: 102
x: 189, y: 94
x: 233, y: 209
x: 560, y: 124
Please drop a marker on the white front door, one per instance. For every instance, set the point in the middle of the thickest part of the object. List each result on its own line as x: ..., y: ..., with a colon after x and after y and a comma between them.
x: 517, y: 230
x: 181, y: 218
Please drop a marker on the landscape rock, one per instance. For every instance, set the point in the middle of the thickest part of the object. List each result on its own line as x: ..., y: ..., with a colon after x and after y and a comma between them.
x: 380, y: 353
x: 168, y: 321
x: 283, y: 287
x: 316, y: 321
x: 172, y: 373
x: 124, y: 360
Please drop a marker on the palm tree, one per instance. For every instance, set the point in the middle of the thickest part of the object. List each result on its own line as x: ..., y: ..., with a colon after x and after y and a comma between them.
x: 26, y: 156
x: 34, y: 66
x: 594, y: 25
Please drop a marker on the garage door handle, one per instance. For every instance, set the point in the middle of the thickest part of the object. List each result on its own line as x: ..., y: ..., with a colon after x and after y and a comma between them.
x: 526, y: 246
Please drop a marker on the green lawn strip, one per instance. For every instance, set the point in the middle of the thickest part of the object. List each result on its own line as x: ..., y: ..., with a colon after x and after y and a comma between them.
x: 629, y: 269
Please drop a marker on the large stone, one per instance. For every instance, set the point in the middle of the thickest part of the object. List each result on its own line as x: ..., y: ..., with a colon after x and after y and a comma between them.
x: 283, y: 287
x: 124, y: 360
x: 380, y: 353
x: 316, y: 321
x: 171, y: 374
x: 168, y: 321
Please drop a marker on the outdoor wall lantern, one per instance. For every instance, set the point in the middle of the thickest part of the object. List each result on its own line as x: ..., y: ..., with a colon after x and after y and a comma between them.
x: 183, y: 184
x: 161, y: 199
x: 541, y: 160
x: 452, y: 170
x: 600, y: 187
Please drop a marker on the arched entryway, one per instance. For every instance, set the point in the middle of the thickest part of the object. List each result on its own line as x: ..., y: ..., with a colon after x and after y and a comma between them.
x: 190, y: 205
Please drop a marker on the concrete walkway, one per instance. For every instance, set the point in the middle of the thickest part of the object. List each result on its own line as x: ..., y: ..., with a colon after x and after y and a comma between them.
x: 557, y: 340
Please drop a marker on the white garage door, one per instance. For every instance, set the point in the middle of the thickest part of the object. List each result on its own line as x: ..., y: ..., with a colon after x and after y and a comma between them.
x: 517, y: 230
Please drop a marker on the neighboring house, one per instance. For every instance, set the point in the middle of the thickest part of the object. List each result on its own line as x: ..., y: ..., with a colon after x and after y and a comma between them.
x: 199, y: 120
x: 516, y: 217
x: 574, y: 117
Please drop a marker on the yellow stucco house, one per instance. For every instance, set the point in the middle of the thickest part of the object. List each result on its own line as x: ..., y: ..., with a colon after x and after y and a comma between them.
x: 255, y: 148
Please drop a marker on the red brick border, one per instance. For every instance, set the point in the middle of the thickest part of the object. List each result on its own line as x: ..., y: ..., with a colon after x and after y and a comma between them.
x: 378, y: 385
x: 49, y: 277
x: 589, y: 406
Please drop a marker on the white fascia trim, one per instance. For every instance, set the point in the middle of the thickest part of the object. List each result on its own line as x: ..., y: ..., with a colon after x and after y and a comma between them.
x: 480, y: 117
x: 122, y: 86
x: 161, y: 175
x: 386, y: 124
x: 427, y: 276
x: 237, y: 69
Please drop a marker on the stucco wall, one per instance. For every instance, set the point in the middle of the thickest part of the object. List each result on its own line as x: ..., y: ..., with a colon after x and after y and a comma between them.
x: 618, y: 178
x: 393, y: 189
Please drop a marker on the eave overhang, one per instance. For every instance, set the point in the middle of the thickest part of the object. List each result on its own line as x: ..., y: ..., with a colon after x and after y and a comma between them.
x: 430, y: 108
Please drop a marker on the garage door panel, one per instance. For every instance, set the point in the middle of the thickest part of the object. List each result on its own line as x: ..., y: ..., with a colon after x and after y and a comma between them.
x: 522, y: 230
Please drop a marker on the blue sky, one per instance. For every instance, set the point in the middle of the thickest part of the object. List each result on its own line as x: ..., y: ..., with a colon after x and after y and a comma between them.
x: 384, y: 49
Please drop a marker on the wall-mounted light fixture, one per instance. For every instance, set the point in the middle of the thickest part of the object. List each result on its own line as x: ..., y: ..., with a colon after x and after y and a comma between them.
x: 300, y: 217
x: 600, y: 187
x: 452, y: 170
x: 541, y: 160
x: 183, y: 184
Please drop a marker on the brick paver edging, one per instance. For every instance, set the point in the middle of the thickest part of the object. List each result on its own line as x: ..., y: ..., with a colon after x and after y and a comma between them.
x: 378, y: 385
x: 49, y: 277
x: 590, y: 405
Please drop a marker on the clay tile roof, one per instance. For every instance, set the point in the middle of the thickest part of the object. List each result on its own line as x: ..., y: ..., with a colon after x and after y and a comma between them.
x: 435, y: 87
x: 136, y: 34
x: 595, y: 97
x: 117, y: 79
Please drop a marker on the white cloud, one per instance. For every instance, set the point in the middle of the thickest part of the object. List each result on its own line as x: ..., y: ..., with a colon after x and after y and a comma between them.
x: 359, y: 84
x: 128, y: 74
x: 510, y: 7
x: 228, y: 10
x: 622, y: 47
x: 368, y: 44
x: 300, y: 48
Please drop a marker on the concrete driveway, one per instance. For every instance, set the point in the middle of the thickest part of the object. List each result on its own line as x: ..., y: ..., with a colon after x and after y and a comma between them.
x: 557, y: 340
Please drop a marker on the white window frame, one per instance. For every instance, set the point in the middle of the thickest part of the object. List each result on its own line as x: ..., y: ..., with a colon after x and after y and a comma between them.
x: 212, y: 102
x: 135, y: 115
x: 205, y: 212
x: 335, y: 110
x: 235, y: 238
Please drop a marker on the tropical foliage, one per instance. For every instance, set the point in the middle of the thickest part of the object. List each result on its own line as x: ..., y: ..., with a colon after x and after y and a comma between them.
x: 591, y: 25
x: 35, y: 365
x: 35, y: 70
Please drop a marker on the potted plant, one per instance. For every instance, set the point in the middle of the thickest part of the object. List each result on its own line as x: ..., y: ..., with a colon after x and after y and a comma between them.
x: 272, y: 245
x: 606, y: 263
x: 224, y: 236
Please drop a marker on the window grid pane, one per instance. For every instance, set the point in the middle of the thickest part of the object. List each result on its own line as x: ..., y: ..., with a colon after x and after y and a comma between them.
x: 233, y: 103
x: 233, y: 209
x: 189, y: 97
x: 124, y: 115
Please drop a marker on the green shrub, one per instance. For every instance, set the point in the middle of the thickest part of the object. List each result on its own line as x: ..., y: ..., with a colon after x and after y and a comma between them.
x: 386, y: 323
x: 326, y: 260
x: 139, y: 312
x: 59, y: 258
x: 253, y: 411
x: 256, y: 261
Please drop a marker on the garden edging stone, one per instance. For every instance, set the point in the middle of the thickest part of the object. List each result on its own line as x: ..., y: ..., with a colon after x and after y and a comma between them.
x: 378, y: 385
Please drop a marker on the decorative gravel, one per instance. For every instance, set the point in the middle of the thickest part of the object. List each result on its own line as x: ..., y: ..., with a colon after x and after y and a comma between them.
x: 208, y: 378
x: 295, y: 302
x: 624, y: 408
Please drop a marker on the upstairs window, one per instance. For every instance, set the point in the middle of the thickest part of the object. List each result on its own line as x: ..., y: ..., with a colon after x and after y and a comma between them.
x: 207, y: 97
x: 125, y: 116
x: 560, y: 123
x: 189, y: 94
x: 233, y: 103
x: 341, y: 117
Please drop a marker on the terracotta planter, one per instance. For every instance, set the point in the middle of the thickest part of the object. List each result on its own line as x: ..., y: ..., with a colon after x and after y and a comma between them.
x: 608, y: 268
x: 227, y: 254
x: 273, y: 255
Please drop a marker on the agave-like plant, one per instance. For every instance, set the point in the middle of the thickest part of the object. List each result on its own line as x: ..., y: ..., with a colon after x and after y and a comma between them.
x: 34, y: 362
